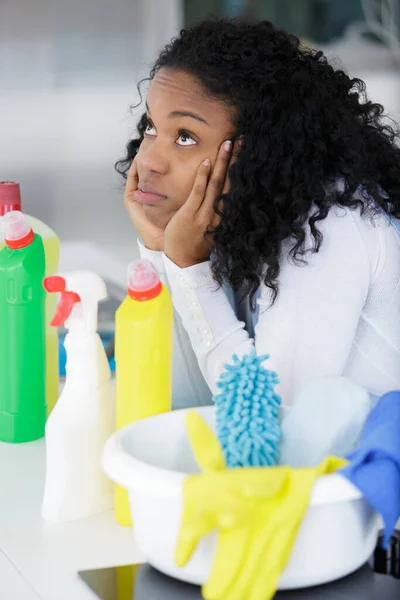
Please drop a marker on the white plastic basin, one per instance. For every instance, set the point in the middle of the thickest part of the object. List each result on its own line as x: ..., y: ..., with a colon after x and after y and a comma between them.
x: 152, y: 457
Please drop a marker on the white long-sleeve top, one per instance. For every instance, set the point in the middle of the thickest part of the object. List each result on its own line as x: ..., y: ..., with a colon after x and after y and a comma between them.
x: 337, y: 315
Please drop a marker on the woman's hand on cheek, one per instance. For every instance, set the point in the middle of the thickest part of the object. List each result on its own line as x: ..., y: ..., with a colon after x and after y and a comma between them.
x: 151, y: 235
x: 184, y: 240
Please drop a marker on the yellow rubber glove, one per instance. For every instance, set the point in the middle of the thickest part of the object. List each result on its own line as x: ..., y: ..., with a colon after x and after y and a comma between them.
x: 257, y: 513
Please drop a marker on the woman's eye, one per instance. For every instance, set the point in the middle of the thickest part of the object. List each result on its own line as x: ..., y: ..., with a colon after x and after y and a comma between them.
x: 185, y: 139
x: 150, y: 129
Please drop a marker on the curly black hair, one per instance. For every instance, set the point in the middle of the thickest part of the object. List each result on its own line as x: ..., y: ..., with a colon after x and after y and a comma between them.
x: 305, y: 124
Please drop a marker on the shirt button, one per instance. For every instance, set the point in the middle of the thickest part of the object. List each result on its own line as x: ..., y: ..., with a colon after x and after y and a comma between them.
x: 198, y: 315
x: 207, y: 342
x: 194, y: 303
x: 204, y: 330
x: 186, y: 288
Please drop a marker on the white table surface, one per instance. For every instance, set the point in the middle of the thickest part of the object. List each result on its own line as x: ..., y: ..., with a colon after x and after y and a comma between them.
x: 12, y: 584
x: 40, y: 560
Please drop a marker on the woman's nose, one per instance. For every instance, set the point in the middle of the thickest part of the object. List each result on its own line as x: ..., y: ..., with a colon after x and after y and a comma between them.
x: 153, y: 158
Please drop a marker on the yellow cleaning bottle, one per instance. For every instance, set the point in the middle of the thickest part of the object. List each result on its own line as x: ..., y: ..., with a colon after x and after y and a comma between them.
x: 10, y: 199
x: 143, y: 355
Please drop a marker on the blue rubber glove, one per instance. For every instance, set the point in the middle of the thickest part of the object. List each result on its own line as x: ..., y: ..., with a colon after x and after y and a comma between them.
x: 375, y: 466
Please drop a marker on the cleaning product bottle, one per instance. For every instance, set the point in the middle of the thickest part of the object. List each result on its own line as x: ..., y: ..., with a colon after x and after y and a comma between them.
x: 22, y: 332
x: 10, y: 199
x: 143, y: 354
x: 84, y: 416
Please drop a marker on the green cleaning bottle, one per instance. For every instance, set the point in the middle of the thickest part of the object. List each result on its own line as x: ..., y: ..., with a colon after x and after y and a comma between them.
x: 10, y: 199
x: 23, y: 407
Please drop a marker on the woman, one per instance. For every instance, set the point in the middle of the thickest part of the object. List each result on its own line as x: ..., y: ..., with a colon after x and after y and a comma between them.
x: 262, y: 184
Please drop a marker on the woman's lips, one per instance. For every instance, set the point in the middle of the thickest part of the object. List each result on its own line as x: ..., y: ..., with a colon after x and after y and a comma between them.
x: 148, y: 197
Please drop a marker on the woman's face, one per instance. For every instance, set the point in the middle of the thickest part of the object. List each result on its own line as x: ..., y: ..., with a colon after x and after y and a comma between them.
x: 185, y: 126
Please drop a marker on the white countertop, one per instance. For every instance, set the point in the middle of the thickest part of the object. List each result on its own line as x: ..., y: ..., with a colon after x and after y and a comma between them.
x: 12, y: 585
x: 40, y: 560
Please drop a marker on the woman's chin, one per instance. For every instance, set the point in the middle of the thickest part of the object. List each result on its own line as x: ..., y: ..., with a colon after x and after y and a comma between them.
x: 157, y: 215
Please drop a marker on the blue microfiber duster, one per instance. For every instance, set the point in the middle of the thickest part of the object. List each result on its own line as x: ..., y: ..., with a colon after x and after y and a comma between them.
x: 247, y: 413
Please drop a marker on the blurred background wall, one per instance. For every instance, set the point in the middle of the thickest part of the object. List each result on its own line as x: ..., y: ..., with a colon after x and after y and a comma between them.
x: 68, y: 74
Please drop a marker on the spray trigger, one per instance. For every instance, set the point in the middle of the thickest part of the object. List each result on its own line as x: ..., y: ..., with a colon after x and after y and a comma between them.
x: 57, y: 284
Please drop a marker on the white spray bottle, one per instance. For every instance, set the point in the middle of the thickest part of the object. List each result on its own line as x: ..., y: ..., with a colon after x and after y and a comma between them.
x: 84, y: 416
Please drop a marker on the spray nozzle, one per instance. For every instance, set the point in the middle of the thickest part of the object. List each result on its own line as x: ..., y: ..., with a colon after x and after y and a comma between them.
x: 68, y: 300
x: 80, y: 288
x: 143, y: 280
x: 55, y: 284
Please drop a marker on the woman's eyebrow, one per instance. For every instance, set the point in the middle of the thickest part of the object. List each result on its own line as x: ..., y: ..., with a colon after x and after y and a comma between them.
x: 187, y: 113
x: 183, y: 113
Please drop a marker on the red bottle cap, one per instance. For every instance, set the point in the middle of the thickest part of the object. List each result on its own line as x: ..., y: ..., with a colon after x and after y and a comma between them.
x: 10, y: 197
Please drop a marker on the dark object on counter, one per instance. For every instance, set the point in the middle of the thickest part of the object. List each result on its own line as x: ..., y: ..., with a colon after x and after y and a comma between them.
x: 387, y: 562
x: 368, y: 583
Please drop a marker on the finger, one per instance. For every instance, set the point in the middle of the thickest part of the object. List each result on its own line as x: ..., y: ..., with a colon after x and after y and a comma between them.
x: 271, y: 565
x: 230, y: 554
x: 247, y: 575
x: 135, y: 212
x: 214, y: 221
x: 205, y: 446
x: 196, y: 521
x: 218, y: 176
x: 268, y: 554
x: 190, y: 536
x: 235, y: 153
x: 196, y: 196
x: 132, y: 181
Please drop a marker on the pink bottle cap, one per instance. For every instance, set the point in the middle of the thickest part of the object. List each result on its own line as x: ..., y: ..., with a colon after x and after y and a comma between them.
x: 17, y: 232
x: 10, y: 197
x: 143, y: 280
